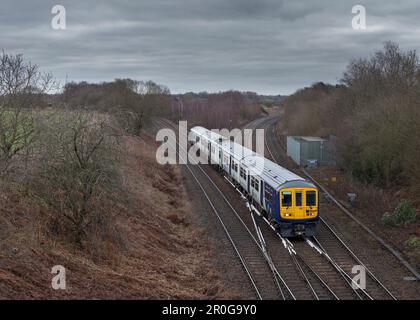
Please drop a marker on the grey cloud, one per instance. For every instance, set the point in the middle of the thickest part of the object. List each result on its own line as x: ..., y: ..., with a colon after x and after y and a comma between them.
x: 269, y: 46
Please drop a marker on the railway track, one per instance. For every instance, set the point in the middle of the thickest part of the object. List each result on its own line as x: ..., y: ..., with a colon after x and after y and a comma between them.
x: 306, y: 283
x: 251, y: 252
x: 331, y: 247
x: 320, y: 265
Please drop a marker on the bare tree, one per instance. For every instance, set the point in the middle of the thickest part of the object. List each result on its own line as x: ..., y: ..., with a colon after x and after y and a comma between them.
x: 21, y: 88
x: 78, y: 168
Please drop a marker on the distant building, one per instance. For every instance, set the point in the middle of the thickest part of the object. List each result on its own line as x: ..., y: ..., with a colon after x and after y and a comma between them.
x: 310, y: 151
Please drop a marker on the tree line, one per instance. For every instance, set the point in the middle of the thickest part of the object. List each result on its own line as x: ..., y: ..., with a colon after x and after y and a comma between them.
x: 375, y: 113
x: 220, y: 110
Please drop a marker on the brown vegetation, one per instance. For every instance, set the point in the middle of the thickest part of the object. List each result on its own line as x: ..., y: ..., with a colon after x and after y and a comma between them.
x: 149, y: 250
x: 82, y: 193
x: 216, y: 110
x: 131, y: 103
x: 75, y: 168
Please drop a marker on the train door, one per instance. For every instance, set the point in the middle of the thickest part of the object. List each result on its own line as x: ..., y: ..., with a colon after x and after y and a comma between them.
x: 197, y: 143
x: 225, y: 162
x: 255, y: 189
x: 298, y: 202
x: 209, y: 153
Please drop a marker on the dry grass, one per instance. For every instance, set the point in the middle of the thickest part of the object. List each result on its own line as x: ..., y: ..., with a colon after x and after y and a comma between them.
x: 152, y: 250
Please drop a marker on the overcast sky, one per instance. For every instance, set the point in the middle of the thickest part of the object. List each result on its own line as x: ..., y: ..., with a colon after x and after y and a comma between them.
x: 267, y: 46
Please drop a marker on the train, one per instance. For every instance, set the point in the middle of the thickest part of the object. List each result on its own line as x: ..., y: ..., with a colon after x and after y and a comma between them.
x: 289, y: 202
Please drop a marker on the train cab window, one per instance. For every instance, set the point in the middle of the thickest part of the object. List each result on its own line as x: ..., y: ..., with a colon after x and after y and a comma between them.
x: 286, y: 199
x: 310, y: 198
x: 298, y: 199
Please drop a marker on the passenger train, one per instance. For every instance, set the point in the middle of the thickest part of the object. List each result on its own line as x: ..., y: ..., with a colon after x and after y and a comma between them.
x: 288, y: 201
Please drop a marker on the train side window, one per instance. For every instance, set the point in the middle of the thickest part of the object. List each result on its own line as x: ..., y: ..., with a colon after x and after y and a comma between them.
x: 256, y: 185
x: 310, y: 198
x: 197, y: 139
x: 298, y: 199
x: 286, y: 199
x: 267, y: 195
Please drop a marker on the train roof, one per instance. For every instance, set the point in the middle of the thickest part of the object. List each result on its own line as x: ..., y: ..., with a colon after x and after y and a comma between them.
x: 207, y: 133
x: 269, y: 171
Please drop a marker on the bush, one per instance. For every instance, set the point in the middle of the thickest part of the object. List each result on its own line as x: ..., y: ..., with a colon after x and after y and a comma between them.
x: 387, y: 219
x: 403, y: 214
x: 413, y: 242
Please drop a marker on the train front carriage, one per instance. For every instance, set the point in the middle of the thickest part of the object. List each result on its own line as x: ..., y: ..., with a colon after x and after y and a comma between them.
x: 298, y: 209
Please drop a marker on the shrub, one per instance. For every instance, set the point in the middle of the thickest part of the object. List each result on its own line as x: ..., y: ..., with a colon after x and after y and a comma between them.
x: 413, y: 242
x: 387, y: 219
x: 403, y: 214
x: 77, y: 171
